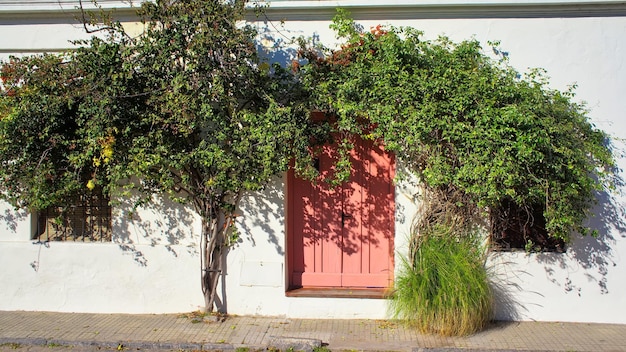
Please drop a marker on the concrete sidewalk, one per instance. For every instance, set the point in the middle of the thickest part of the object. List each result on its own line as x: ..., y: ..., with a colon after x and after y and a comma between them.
x: 187, y: 332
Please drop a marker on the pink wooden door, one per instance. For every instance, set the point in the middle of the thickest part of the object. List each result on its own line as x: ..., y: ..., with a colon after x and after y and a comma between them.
x: 343, y: 236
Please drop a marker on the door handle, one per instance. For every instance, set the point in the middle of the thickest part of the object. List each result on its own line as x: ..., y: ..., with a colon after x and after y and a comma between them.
x: 345, y: 216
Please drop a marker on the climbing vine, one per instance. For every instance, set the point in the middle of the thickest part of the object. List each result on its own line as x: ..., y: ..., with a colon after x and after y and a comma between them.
x: 476, y: 132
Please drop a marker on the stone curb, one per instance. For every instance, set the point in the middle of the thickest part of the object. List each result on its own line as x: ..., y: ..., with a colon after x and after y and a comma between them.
x: 24, y: 341
x: 116, y: 344
x: 294, y: 343
x: 276, y: 343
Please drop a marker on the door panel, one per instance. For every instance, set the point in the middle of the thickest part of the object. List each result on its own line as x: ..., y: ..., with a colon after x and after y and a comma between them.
x: 343, y: 237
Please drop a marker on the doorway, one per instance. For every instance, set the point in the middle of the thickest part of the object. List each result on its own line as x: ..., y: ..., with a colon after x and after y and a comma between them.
x: 342, y: 236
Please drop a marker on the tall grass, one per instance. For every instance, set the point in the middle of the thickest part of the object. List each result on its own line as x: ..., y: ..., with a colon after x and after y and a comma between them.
x: 444, y: 287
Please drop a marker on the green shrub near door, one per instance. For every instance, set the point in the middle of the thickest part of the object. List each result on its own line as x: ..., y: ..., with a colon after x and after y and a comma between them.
x: 444, y: 288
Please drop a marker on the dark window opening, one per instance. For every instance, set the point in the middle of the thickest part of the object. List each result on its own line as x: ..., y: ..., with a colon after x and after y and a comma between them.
x: 86, y: 219
x: 514, y: 227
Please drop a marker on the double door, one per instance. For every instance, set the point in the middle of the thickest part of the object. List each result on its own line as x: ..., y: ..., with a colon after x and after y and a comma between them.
x: 343, y: 236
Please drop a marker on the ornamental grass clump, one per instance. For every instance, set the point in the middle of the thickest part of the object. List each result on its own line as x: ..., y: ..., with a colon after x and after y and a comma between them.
x: 444, y: 288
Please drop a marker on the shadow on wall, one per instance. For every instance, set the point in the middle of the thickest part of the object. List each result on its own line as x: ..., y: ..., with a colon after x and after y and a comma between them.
x: 591, y: 256
x: 275, y: 44
x: 160, y: 222
x: 594, y: 255
x: 11, y: 217
x: 506, y: 307
x: 263, y: 215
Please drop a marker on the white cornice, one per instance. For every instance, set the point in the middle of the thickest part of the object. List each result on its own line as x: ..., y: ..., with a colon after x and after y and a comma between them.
x: 282, y: 4
x: 60, y: 5
x: 324, y: 9
x: 49, y: 10
x: 361, y: 9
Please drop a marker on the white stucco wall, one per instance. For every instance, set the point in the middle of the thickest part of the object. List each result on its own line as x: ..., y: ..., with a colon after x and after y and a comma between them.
x: 587, y: 283
x: 152, y: 265
x: 256, y: 273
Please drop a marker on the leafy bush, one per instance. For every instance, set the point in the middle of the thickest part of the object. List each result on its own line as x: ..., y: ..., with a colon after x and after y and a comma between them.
x: 463, y: 121
x: 443, y: 288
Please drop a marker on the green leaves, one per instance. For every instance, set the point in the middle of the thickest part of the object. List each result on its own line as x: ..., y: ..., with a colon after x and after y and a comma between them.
x: 194, y: 112
x: 184, y: 106
x: 463, y: 121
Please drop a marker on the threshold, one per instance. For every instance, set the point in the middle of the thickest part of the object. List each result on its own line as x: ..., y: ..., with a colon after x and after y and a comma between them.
x: 339, y: 292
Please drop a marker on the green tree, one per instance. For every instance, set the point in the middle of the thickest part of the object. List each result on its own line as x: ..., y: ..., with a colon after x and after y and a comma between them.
x: 476, y: 132
x: 186, y: 109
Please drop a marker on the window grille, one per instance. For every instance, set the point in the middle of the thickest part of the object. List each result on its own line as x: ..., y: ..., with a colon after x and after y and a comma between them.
x: 514, y: 228
x: 86, y: 219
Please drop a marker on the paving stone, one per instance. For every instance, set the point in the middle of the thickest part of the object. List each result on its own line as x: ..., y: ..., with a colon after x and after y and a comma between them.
x: 179, y: 333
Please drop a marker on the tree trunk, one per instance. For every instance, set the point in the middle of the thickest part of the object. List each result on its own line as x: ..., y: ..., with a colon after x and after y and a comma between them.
x: 213, y: 248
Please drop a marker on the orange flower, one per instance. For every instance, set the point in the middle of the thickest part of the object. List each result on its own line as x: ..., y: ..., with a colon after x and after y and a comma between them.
x: 295, y: 65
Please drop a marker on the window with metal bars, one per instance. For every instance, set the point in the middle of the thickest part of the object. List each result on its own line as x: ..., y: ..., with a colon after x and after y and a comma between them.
x: 86, y: 219
x: 513, y: 227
